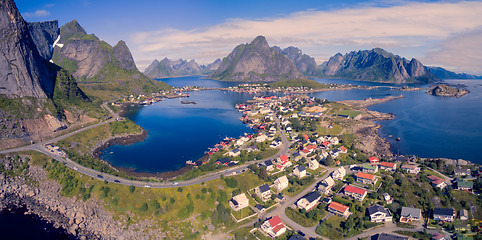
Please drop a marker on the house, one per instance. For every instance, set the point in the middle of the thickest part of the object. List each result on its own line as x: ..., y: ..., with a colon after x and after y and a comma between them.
x: 374, y: 160
x: 463, y: 214
x: 379, y: 214
x: 224, y: 161
x: 309, y: 201
x: 436, y: 181
x: 444, y: 214
x: 334, y: 140
x: 234, y: 153
x: 438, y: 236
x: 304, y: 152
x: 280, y: 197
x: 326, y: 185
x: 260, y: 208
x: 387, y: 198
x: 386, y: 236
x: 339, y: 209
x: 313, y: 164
x: 388, y: 166
x: 355, y: 193
x: 458, y: 171
x: 269, y: 165
x: 261, y: 138
x: 296, y: 156
x: 339, y: 173
x: 281, y: 183
x: 274, y: 227
x: 239, y: 202
x: 465, y: 185
x: 342, y: 149
x: 409, y: 214
x: 299, y: 171
x: 252, y: 148
x: 263, y: 192
x: 275, y: 144
x: 365, y: 178
x: 410, y: 168
x: 283, y: 159
x: 368, y: 168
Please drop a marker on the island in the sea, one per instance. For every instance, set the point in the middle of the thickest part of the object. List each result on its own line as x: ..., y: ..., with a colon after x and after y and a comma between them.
x: 444, y: 90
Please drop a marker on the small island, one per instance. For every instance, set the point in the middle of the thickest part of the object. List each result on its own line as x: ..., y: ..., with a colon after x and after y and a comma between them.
x: 445, y: 90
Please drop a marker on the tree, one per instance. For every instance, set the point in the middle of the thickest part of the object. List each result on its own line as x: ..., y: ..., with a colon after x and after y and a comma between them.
x: 329, y: 161
x: 132, y: 188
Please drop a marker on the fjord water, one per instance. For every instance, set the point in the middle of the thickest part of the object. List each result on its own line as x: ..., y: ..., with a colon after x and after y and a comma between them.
x: 428, y: 126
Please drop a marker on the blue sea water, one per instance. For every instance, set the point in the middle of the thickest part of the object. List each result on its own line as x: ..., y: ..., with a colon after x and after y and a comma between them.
x: 428, y: 126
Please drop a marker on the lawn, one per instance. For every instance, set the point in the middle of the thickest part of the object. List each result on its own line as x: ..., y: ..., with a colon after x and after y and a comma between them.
x: 351, y: 113
x: 299, y: 218
x: 330, y: 228
x: 245, y: 212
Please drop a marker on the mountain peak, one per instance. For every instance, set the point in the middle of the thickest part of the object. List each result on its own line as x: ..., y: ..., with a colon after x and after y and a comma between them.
x: 256, y: 61
x: 70, y: 30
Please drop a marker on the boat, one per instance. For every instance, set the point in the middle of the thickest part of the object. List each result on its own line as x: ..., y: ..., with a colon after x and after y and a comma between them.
x: 189, y: 162
x: 398, y: 139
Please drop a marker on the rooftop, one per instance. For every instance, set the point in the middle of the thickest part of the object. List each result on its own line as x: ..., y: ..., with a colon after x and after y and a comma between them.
x: 338, y: 206
x: 365, y: 175
x: 356, y: 190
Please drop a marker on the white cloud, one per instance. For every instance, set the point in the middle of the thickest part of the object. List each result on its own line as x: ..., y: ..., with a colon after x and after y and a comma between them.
x: 460, y: 53
x: 411, y: 25
x: 38, y: 13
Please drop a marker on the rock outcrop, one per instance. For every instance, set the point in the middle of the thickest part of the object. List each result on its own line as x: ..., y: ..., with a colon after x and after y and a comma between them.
x: 256, y: 61
x: 377, y: 65
x: 44, y: 35
x: 444, y: 90
x: 214, y: 65
x: 23, y: 72
x: 170, y: 68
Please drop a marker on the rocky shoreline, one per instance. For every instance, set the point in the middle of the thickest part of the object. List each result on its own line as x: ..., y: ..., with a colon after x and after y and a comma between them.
x: 85, y: 220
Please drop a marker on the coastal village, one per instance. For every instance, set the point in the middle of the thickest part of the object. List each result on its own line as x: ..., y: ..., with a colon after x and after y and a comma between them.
x: 350, y: 194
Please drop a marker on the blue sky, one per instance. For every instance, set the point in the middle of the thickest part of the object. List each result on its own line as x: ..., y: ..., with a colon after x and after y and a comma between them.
x: 444, y: 33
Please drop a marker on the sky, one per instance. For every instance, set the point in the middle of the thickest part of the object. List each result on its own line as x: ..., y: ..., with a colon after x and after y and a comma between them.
x: 438, y: 33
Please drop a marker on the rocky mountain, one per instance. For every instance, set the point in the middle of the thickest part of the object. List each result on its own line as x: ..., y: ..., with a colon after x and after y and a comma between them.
x: 98, y: 66
x: 304, y: 63
x: 44, y: 35
x: 23, y: 71
x: 170, y: 68
x: 256, y: 61
x: 376, y: 65
x: 214, y: 65
x: 446, y: 74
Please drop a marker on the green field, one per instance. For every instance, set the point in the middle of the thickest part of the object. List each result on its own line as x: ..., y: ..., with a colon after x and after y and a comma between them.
x: 351, y: 113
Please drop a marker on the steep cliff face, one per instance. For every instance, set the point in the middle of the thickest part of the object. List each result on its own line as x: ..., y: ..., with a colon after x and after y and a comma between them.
x: 170, y: 68
x: 23, y: 72
x: 44, y: 35
x: 256, y: 61
x: 377, y: 65
x: 304, y: 63
x: 123, y: 56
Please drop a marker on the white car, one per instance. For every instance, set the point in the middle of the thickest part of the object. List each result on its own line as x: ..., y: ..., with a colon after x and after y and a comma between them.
x: 147, y: 186
x: 75, y: 168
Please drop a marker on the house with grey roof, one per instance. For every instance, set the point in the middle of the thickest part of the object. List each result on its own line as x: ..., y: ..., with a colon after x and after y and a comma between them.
x: 263, y: 192
x: 309, y: 201
x: 444, y: 214
x: 409, y: 214
x: 299, y: 171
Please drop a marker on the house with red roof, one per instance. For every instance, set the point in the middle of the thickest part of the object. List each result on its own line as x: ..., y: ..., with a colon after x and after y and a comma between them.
x: 339, y: 209
x: 304, y: 152
x: 388, y: 166
x: 374, y: 160
x: 355, y: 193
x: 326, y: 144
x: 365, y: 178
x: 343, y: 149
x: 436, y: 181
x: 274, y: 227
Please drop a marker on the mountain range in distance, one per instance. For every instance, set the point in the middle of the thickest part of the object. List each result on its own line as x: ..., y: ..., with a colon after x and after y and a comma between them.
x: 258, y: 62
x: 177, y: 68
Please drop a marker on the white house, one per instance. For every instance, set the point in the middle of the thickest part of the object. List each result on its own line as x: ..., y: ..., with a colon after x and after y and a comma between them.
x: 261, y: 138
x: 263, y: 192
x: 281, y: 183
x: 239, y: 202
x: 410, y: 214
x: 334, y: 140
x: 313, y: 164
x: 299, y: 171
x: 339, y: 173
x: 379, y: 214
x: 309, y: 201
x: 234, y: 153
x: 326, y: 185
x: 410, y: 168
x: 274, y: 227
